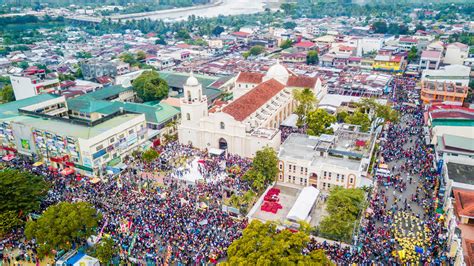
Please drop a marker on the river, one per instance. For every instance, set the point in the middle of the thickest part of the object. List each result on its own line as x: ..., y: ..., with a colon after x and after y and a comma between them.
x: 224, y: 7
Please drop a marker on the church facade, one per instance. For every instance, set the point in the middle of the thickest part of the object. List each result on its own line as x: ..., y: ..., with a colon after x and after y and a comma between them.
x: 251, y: 120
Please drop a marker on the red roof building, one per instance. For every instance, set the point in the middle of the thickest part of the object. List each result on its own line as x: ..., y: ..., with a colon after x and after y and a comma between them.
x: 249, y: 77
x: 250, y: 102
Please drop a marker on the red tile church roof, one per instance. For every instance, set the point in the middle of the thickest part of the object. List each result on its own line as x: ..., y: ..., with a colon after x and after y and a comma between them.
x: 250, y: 102
x: 249, y: 77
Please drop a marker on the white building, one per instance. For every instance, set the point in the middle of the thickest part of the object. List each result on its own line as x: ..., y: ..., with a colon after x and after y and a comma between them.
x: 457, y: 74
x: 326, y: 161
x: 248, y: 123
x: 456, y: 53
x: 25, y: 86
x: 430, y: 59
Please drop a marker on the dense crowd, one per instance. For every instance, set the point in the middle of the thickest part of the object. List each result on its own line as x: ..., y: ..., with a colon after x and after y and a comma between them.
x: 177, y: 221
x: 180, y: 222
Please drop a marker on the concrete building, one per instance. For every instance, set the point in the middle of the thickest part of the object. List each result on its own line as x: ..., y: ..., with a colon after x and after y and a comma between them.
x: 43, y: 128
x: 326, y: 161
x: 457, y: 74
x: 456, y: 53
x: 93, y: 69
x: 430, y: 59
x: 457, y: 188
x: 33, y: 81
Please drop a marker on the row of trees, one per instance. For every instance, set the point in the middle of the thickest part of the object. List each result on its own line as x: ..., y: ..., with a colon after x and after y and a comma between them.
x: 318, y: 121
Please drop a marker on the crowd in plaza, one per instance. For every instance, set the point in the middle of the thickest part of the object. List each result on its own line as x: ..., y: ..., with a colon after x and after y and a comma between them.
x: 177, y: 221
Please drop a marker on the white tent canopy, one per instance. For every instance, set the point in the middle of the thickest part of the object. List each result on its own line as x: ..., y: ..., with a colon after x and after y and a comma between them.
x: 303, y: 204
x: 215, y: 151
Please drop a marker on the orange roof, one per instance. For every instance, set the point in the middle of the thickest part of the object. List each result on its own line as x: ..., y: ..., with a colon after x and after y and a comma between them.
x: 172, y: 101
x: 248, y: 77
x: 301, y: 82
x: 464, y: 202
x: 248, y: 103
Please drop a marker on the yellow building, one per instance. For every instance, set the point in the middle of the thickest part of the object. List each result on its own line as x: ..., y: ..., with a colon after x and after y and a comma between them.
x: 389, y: 63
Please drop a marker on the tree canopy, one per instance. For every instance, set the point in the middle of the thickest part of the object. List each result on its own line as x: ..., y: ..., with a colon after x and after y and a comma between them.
x: 105, y: 250
x: 344, y: 206
x: 264, y: 168
x: 61, y: 225
x: 413, y: 53
x: 376, y: 111
x: 150, y: 155
x: 359, y: 118
x: 318, y: 122
x: 312, y: 57
x: 286, y: 44
x: 7, y: 94
x: 150, y: 87
x: 262, y: 244
x: 306, y: 103
x: 20, y: 194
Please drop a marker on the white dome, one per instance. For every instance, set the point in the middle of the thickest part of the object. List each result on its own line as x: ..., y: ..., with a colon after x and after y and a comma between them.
x: 192, y: 81
x: 278, y: 72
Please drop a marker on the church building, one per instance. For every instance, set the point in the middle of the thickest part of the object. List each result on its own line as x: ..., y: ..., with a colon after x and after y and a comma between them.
x: 251, y: 120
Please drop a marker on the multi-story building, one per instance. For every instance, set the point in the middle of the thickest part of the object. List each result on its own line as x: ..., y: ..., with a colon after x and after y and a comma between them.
x: 93, y: 69
x: 432, y: 91
x: 457, y: 74
x: 456, y: 53
x: 33, y: 81
x: 326, y: 161
x: 406, y: 44
x: 457, y: 195
x: 430, y: 59
x: 43, y: 128
x: 386, y: 61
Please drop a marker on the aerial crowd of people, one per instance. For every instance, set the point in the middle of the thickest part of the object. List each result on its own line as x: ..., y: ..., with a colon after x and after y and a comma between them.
x: 163, y: 218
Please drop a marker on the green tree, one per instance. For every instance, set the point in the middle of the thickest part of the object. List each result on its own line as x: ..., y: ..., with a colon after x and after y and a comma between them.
x: 20, y: 194
x: 7, y: 94
x: 376, y: 111
x: 128, y: 58
x: 343, y: 206
x: 341, y: 116
x: 105, y: 250
x: 306, y: 101
x: 256, y: 50
x: 312, y: 57
x: 286, y: 44
x: 359, y: 118
x: 289, y: 25
x: 150, y: 155
x: 183, y: 34
x: 413, y: 53
x: 61, y: 225
x: 262, y: 244
x: 149, y: 86
x: 266, y: 163
x: 288, y: 8
x: 318, y: 122
x: 217, y: 30
x: 141, y: 56
x: 380, y: 27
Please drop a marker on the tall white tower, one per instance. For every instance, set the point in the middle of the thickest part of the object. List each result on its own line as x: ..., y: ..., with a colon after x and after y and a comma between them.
x: 193, y: 108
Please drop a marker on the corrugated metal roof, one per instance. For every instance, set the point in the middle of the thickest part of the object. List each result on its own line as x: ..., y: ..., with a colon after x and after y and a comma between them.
x: 11, y: 109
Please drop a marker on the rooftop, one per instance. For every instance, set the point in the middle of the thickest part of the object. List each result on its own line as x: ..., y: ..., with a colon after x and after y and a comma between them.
x: 75, y: 130
x: 250, y: 102
x: 10, y: 109
x: 464, y: 202
x: 460, y: 173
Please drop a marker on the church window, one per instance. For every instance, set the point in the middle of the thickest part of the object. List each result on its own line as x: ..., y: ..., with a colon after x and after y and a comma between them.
x: 188, y: 116
x: 222, y: 125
